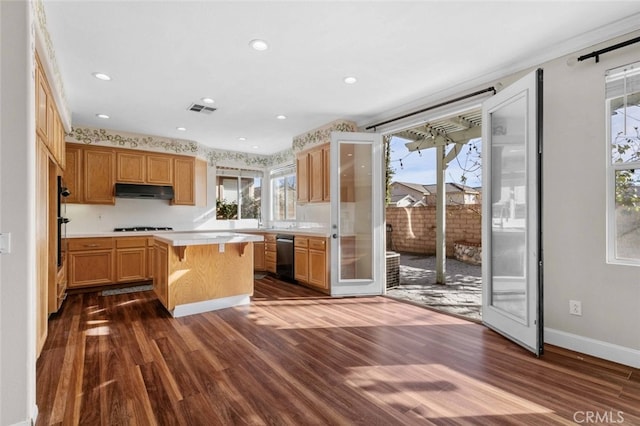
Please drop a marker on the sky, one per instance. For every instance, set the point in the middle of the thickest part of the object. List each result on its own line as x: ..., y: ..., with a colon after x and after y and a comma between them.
x: 421, y: 167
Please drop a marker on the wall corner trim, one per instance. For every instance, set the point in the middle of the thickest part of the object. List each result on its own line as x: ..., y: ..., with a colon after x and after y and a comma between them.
x: 593, y: 347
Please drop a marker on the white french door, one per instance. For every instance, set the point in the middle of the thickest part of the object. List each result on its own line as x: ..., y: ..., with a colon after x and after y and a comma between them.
x: 357, y: 221
x: 511, y: 228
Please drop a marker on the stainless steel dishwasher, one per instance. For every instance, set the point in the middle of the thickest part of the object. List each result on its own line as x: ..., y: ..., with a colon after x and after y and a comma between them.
x: 284, y: 257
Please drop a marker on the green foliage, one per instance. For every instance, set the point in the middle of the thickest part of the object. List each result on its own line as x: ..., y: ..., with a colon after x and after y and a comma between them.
x: 389, y: 170
x: 225, y: 210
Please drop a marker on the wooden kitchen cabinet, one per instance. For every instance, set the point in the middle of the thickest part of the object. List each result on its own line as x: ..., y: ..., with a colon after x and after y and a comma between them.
x: 312, y: 174
x: 159, y: 169
x: 131, y: 259
x: 99, y: 176
x: 131, y: 167
x: 91, y: 262
x: 301, y: 260
x: 318, y: 263
x: 150, y: 257
x: 73, y: 174
x: 259, y: 256
x: 270, y: 253
x: 302, y: 178
x: 43, y: 100
x: 184, y: 181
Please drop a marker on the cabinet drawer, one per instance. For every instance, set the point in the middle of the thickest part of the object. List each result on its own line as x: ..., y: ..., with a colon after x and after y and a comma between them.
x: 270, y: 247
x: 270, y: 256
x: 270, y: 238
x: 317, y: 244
x: 301, y: 242
x: 75, y: 244
x: 270, y: 266
x: 131, y: 242
x: 150, y: 241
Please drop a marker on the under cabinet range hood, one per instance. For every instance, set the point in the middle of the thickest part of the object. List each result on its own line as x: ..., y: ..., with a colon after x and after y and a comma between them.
x: 153, y: 192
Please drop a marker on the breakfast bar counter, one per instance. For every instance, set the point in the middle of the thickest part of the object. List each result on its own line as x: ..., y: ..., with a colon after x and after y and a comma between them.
x: 196, y: 272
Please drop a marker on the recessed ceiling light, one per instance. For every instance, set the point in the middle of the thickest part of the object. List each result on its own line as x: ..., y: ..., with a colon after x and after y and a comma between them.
x: 281, y: 117
x: 207, y: 100
x: 241, y: 138
x: 258, y: 44
x: 350, y: 80
x: 182, y: 129
x: 101, y: 76
x: 255, y: 147
x: 104, y: 116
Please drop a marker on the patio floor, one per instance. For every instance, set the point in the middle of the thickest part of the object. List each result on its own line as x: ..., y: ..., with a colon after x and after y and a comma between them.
x: 461, y: 295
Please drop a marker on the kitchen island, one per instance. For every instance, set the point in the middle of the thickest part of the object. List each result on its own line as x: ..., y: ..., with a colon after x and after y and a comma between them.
x: 197, y: 272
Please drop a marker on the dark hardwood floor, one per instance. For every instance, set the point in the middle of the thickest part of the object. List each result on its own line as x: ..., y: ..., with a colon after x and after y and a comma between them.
x: 297, y: 357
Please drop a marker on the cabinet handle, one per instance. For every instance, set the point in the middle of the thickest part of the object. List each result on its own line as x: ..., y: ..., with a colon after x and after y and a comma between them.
x: 92, y: 245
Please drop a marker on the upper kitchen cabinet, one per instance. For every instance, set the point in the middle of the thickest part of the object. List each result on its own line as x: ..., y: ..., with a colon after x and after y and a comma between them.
x: 48, y: 124
x: 312, y: 175
x: 131, y: 167
x: 73, y: 174
x: 160, y: 169
x: 190, y: 180
x: 99, y: 175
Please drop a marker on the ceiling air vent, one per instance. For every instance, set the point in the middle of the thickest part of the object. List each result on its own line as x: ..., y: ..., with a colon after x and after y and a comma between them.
x: 201, y: 108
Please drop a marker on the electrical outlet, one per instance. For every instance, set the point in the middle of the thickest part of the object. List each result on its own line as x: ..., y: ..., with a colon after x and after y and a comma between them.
x: 575, y: 307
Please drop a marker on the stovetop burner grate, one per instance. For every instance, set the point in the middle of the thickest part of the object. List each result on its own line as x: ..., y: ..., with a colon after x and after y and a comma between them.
x: 144, y: 228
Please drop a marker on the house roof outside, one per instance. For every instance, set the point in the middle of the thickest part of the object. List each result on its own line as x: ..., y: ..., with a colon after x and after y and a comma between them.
x: 453, y: 187
x: 414, y: 186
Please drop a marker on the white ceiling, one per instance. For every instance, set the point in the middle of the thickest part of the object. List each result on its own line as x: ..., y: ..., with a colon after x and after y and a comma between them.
x: 162, y: 56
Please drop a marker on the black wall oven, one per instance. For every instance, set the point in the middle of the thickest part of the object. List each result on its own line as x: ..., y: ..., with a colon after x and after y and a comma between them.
x: 63, y: 192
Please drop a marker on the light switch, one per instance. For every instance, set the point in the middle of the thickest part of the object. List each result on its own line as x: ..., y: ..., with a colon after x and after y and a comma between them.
x: 5, y: 243
x: 221, y: 248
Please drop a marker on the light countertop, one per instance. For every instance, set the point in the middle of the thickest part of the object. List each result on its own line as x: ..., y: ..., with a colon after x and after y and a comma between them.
x: 317, y: 232
x: 205, y: 238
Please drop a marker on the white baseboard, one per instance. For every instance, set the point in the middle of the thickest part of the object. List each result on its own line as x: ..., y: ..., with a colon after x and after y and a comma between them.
x: 597, y: 348
x: 210, y: 305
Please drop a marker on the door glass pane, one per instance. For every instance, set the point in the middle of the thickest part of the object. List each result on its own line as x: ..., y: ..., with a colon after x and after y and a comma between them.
x: 356, y: 207
x: 509, y: 208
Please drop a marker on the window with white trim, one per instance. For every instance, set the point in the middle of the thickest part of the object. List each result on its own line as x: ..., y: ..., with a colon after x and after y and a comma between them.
x: 623, y: 165
x: 238, y: 193
x: 283, y: 193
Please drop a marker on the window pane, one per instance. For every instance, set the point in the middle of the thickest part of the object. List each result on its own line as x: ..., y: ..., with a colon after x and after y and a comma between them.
x: 227, y: 201
x: 250, y: 205
x: 625, y: 122
x: 290, y: 189
x: 627, y: 193
x: 278, y: 200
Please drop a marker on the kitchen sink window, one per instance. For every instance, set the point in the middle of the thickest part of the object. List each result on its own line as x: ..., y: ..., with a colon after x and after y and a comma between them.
x: 623, y: 108
x: 283, y: 190
x: 238, y: 193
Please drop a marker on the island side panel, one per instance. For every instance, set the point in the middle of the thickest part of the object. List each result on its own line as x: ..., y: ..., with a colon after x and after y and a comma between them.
x: 161, y: 273
x: 204, y: 273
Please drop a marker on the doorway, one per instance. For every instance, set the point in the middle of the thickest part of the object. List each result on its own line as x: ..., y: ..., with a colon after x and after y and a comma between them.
x: 452, y: 284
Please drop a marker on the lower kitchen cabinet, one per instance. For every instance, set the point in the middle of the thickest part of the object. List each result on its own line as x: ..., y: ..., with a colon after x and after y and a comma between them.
x: 108, y: 260
x: 131, y: 259
x: 259, y: 256
x: 270, y: 253
x: 311, y: 262
x: 91, y: 262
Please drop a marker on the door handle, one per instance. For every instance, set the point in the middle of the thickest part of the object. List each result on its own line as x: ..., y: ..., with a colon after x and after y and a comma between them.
x: 334, y: 236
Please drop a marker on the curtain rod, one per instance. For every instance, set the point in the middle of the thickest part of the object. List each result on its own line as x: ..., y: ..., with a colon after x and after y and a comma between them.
x: 461, y: 98
x: 597, y: 53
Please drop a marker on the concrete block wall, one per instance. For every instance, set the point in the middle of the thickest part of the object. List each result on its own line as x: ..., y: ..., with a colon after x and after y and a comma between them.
x: 414, y: 228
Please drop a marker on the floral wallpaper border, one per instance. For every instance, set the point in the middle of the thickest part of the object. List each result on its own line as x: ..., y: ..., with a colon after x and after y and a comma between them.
x: 41, y: 19
x: 322, y: 134
x: 214, y: 157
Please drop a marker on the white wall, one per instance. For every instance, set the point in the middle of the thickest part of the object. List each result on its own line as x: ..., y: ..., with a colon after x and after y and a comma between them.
x: 574, y: 162
x: 17, y: 216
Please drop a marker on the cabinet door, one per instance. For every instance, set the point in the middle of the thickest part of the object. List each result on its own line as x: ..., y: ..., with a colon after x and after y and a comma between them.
x: 42, y: 104
x: 131, y: 167
x: 258, y: 256
x: 326, y: 192
x: 88, y: 268
x: 302, y: 178
x: 99, y: 176
x: 131, y: 264
x: 161, y: 274
x: 184, y: 181
x: 318, y: 268
x: 73, y: 174
x: 301, y: 264
x: 159, y: 169
x: 316, y: 175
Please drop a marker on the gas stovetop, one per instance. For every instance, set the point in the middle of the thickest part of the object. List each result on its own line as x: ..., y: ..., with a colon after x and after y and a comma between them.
x: 144, y: 228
